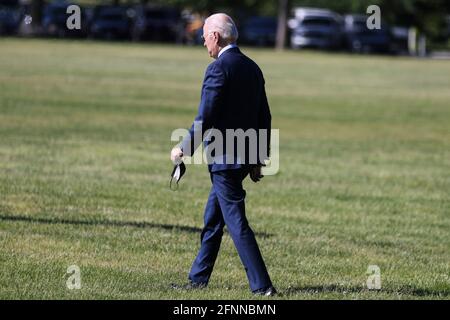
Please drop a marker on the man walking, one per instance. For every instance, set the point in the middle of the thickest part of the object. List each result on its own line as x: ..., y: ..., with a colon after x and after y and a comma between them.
x: 233, y: 97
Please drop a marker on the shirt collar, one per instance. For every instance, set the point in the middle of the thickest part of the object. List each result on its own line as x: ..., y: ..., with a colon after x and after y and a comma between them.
x: 232, y: 45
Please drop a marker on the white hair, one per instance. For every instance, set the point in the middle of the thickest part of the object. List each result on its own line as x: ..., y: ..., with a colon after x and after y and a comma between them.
x: 224, y: 25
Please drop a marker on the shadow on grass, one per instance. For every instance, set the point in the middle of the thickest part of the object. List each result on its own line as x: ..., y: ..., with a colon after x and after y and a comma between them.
x: 333, y: 288
x: 112, y: 223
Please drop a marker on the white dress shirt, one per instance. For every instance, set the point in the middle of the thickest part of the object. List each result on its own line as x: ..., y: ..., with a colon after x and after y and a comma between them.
x: 232, y: 45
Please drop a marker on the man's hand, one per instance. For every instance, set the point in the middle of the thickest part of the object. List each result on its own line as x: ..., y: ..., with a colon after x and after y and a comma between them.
x: 176, y: 155
x: 255, y: 173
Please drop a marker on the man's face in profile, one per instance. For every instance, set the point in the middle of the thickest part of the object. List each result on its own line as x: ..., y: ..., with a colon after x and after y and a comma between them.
x: 211, y: 42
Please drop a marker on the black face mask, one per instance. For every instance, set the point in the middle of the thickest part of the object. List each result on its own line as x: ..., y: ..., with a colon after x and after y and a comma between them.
x: 177, y: 172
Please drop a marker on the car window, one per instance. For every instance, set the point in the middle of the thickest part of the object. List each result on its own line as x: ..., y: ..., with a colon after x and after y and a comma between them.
x: 262, y: 22
x: 111, y: 14
x: 317, y: 21
x: 160, y: 14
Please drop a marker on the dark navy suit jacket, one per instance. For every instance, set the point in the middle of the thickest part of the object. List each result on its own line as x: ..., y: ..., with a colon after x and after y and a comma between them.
x: 233, y: 97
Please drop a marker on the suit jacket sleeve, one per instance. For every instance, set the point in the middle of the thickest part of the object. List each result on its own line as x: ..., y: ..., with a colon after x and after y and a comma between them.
x: 265, y: 122
x: 210, y: 103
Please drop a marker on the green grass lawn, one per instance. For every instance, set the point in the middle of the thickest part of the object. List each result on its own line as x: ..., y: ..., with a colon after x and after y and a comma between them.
x: 84, y: 167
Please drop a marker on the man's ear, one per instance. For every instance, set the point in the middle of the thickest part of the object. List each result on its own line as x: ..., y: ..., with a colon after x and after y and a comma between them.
x: 216, y: 37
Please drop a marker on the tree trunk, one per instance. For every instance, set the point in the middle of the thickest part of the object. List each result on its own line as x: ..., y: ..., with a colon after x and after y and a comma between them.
x: 36, y: 9
x: 283, y: 10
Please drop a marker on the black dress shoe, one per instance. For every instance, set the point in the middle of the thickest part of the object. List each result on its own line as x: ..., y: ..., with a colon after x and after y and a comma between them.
x: 189, y: 286
x: 268, y: 292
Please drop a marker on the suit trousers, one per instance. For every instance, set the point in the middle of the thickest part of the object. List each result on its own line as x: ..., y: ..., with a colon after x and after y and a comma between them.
x: 226, y: 206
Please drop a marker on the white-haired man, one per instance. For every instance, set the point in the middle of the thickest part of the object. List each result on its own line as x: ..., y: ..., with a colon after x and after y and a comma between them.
x: 233, y: 97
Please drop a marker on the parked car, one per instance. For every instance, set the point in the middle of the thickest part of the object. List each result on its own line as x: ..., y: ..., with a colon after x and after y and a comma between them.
x: 315, y: 28
x: 10, y: 16
x: 359, y: 38
x: 399, y: 40
x: 259, y: 31
x: 111, y: 22
x: 54, y: 19
x: 157, y: 23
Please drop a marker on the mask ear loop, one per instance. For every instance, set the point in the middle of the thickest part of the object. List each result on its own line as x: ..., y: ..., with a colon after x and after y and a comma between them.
x: 175, y: 184
x: 176, y: 173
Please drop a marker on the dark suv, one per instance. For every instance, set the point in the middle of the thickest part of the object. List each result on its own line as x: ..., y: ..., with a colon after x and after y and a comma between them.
x: 111, y: 22
x: 157, y: 23
x: 315, y: 28
x: 259, y: 31
x: 10, y: 16
x: 359, y: 38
